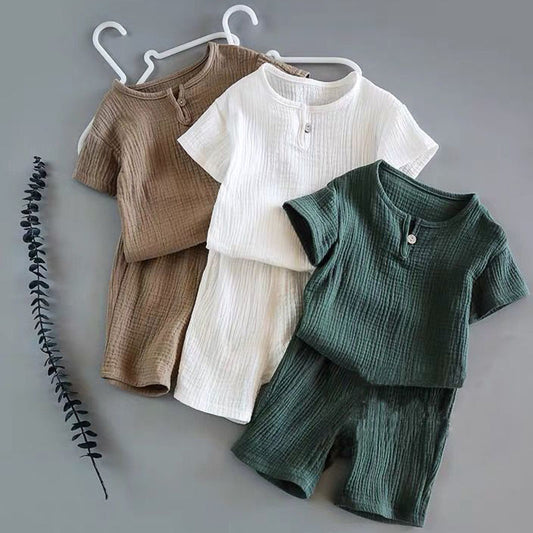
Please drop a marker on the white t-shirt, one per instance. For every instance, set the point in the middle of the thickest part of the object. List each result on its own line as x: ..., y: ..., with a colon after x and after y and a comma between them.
x: 272, y: 137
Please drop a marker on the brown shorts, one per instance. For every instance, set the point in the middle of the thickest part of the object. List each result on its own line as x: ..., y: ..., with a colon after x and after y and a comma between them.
x: 149, y: 307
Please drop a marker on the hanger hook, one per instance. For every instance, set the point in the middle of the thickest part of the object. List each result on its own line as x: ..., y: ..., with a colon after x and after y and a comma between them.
x: 233, y: 39
x: 103, y: 52
x: 274, y: 54
x: 148, y: 59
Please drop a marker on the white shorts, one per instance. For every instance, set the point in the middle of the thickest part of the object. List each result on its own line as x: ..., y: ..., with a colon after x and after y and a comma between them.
x: 243, y: 319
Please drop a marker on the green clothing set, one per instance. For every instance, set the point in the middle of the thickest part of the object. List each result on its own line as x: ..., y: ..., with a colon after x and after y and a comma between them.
x: 372, y: 370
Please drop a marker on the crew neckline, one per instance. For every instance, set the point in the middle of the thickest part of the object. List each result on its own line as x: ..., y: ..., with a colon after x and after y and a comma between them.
x: 472, y: 198
x: 205, y: 62
x: 352, y: 80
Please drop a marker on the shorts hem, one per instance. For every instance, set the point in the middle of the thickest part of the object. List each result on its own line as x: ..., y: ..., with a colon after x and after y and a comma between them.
x: 233, y: 415
x: 278, y: 474
x: 147, y: 387
x: 380, y: 513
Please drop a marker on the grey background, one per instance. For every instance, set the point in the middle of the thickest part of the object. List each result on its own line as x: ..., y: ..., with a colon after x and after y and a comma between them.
x: 464, y: 70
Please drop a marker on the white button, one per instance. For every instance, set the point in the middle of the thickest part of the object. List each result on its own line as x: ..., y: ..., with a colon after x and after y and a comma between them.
x: 411, y: 239
x: 307, y: 127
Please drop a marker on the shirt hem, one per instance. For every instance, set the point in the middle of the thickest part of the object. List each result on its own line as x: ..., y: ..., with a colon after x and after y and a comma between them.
x: 301, y: 333
x: 230, y: 252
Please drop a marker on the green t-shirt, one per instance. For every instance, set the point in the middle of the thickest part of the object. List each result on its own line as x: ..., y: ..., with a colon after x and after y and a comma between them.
x: 401, y: 270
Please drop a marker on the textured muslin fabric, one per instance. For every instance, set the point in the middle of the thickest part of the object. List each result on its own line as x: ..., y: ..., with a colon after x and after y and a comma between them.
x: 222, y: 373
x: 149, y: 307
x: 165, y: 201
x: 385, y: 245
x: 270, y: 138
x: 314, y: 411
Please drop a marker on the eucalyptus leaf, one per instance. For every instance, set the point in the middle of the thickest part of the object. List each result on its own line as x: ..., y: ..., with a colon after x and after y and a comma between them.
x: 70, y: 404
x: 81, y: 424
x: 87, y: 445
x: 38, y: 283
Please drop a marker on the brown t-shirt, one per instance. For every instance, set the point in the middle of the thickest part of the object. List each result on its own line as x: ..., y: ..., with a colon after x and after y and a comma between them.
x: 165, y: 199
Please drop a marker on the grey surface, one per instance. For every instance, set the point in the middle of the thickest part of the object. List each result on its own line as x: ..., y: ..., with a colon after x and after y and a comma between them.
x: 464, y: 70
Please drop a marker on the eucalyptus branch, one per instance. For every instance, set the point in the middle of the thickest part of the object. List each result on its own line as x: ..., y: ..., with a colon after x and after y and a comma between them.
x: 72, y: 406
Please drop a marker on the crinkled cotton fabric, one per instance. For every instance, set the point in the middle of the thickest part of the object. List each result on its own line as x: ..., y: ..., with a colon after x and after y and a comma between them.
x: 273, y: 137
x: 269, y: 138
x: 165, y: 201
x: 402, y: 270
x: 314, y: 412
x: 243, y: 319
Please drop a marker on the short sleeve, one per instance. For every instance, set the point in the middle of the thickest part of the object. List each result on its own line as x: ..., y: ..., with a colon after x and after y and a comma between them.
x: 98, y: 164
x: 208, y: 141
x: 499, y: 285
x: 315, y: 219
x: 403, y: 143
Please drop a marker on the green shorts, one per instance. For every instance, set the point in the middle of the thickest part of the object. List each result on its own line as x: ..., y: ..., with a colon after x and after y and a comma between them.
x: 313, y: 411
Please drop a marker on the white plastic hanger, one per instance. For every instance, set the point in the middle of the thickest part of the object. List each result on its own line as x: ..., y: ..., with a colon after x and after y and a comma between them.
x: 103, y: 52
x: 274, y: 54
x: 109, y: 60
x: 225, y: 34
x: 231, y: 38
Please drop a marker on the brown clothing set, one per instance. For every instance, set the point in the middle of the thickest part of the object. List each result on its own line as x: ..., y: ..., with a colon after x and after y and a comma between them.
x: 165, y: 201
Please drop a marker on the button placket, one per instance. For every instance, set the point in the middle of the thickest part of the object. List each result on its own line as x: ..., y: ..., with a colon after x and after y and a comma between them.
x: 409, y: 235
x: 184, y: 115
x: 305, y: 128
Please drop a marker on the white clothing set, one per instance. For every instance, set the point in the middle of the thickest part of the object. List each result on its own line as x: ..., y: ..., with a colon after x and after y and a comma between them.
x: 269, y: 138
